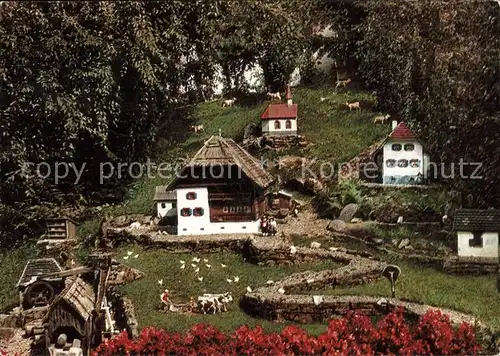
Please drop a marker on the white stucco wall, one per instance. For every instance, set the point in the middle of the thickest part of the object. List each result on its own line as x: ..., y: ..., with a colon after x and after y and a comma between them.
x: 162, y: 207
x: 489, y: 249
x: 192, y: 225
x: 396, y: 171
x: 268, y: 126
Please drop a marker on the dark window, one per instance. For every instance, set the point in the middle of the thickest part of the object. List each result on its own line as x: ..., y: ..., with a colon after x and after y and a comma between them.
x: 191, y: 196
x: 403, y: 163
x: 409, y: 147
x: 277, y: 125
x: 174, y: 205
x: 414, y: 163
x: 198, y: 212
x: 185, y: 212
x: 288, y: 124
x: 202, y: 229
x: 163, y: 205
x: 222, y: 227
x: 390, y: 163
x: 243, y: 227
x: 477, y: 240
x: 396, y: 147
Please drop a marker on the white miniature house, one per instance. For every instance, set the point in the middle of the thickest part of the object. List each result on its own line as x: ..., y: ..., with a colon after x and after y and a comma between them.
x: 222, y: 190
x: 402, y: 157
x: 280, y: 119
x: 165, y: 200
x: 477, y: 232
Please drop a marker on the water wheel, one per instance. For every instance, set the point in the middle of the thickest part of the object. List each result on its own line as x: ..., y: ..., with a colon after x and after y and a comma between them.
x: 40, y: 293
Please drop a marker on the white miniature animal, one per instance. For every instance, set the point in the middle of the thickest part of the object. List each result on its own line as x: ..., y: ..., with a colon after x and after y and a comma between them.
x: 228, y: 103
x: 160, y: 282
x: 182, y: 262
x: 197, y: 270
x: 223, y: 265
x: 333, y: 249
x: 193, y: 265
x: 322, y: 99
x: 200, y: 279
x: 136, y: 256
x: 293, y: 250
x: 183, y: 266
x: 249, y: 290
x: 236, y: 279
x: 270, y: 282
x: 205, y: 260
x: 125, y: 257
x: 354, y: 105
x: 342, y: 83
x: 381, y: 119
x: 315, y: 244
x: 196, y: 259
x: 208, y: 266
x: 135, y: 225
x: 197, y: 128
x: 129, y: 253
x: 274, y: 96
x: 318, y: 299
x: 281, y: 291
x: 229, y: 280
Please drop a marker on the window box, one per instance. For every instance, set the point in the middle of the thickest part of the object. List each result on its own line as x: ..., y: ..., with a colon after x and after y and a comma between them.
x: 414, y: 163
x: 198, y: 212
x: 390, y: 163
x: 191, y: 196
x: 402, y: 163
x: 396, y: 147
x: 186, y: 212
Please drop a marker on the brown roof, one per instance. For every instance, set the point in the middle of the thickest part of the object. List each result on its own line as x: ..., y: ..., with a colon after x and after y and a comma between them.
x: 161, y: 193
x: 224, y: 151
x: 80, y: 296
x: 38, y: 267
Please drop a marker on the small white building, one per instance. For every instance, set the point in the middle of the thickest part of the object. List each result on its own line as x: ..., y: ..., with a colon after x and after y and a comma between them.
x: 280, y: 119
x: 165, y: 200
x: 223, y: 190
x: 402, y: 158
x: 477, y: 232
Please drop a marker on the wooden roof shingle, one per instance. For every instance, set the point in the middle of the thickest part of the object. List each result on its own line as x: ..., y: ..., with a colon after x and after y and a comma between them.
x: 162, y: 193
x: 80, y: 296
x: 226, y: 152
x: 477, y: 220
x: 38, y: 267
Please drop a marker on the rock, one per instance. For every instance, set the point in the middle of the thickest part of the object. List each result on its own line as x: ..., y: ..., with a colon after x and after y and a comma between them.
x: 291, y: 162
x: 315, y: 244
x: 378, y: 241
x: 312, y: 185
x: 337, y: 225
x: 403, y: 243
x: 395, y: 242
x: 251, y: 130
x: 348, y: 212
x: 409, y: 248
x: 356, y: 220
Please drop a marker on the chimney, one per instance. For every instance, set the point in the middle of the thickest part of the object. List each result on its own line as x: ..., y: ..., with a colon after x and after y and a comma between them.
x: 288, y: 96
x: 394, y: 124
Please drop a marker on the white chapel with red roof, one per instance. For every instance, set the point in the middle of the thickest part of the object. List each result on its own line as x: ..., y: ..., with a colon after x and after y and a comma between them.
x: 402, y: 157
x: 280, y: 119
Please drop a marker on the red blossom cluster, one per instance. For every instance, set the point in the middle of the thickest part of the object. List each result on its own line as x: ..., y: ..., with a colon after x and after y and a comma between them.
x: 355, y: 334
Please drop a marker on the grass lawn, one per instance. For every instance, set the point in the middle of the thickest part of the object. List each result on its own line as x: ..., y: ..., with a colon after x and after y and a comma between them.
x: 159, y: 264
x: 12, y: 263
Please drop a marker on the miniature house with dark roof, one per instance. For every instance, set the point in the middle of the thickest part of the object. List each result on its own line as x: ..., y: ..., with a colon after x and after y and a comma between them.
x: 223, y: 189
x: 477, y: 232
x: 402, y: 159
x: 280, y: 119
x: 166, y: 201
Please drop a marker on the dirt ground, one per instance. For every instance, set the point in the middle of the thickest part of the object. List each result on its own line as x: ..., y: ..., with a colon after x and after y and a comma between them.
x: 306, y: 224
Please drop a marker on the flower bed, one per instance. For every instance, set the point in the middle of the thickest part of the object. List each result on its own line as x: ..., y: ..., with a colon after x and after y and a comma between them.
x: 353, y: 334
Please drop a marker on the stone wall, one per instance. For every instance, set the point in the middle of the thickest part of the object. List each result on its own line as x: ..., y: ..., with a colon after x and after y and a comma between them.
x: 470, y: 265
x: 19, y: 318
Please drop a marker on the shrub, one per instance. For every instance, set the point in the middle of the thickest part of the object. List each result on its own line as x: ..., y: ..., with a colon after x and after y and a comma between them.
x: 355, y: 334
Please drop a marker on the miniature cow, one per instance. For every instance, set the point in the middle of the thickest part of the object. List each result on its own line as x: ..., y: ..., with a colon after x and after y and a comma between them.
x: 229, y: 102
x: 354, y: 105
x: 197, y: 128
x: 214, y: 302
x: 381, y: 119
x: 342, y: 83
x: 274, y: 96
